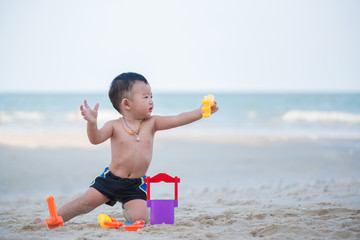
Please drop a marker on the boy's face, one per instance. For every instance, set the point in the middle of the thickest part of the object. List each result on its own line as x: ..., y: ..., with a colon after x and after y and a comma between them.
x: 141, y: 103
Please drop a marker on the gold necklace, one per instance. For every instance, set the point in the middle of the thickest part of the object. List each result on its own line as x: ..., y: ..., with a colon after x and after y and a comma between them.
x: 136, y: 133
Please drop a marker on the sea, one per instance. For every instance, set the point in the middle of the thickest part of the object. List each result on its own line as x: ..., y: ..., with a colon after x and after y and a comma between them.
x: 312, y: 115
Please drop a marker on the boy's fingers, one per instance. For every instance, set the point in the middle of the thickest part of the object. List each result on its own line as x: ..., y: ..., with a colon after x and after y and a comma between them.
x: 214, y: 106
x: 85, y: 104
x: 96, y: 107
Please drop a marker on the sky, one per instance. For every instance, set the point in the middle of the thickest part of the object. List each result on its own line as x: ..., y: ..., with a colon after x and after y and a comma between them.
x: 180, y: 45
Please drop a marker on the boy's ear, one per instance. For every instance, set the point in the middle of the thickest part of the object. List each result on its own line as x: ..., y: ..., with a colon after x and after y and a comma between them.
x: 125, y: 104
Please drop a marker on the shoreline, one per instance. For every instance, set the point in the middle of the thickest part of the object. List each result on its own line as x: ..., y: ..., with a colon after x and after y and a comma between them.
x: 47, y: 139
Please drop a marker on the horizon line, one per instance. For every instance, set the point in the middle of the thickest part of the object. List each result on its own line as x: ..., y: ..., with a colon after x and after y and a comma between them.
x: 189, y: 91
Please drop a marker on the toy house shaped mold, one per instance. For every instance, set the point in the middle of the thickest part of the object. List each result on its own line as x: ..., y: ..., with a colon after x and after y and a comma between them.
x: 162, y: 210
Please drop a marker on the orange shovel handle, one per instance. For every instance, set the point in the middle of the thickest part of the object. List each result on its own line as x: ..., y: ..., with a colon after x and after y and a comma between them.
x: 54, y: 221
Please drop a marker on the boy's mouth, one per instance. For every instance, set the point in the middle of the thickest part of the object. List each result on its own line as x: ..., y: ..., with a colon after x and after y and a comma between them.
x: 150, y: 109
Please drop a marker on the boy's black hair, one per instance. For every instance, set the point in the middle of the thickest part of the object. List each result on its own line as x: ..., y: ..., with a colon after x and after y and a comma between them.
x: 121, y: 86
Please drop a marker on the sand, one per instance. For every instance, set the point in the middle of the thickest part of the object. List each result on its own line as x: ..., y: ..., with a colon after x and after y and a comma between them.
x: 231, y: 187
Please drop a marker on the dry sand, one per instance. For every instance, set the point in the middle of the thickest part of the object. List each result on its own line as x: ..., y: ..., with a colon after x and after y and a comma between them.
x: 231, y: 188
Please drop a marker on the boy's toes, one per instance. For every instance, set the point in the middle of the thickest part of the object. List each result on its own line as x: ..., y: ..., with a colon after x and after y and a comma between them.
x: 38, y: 221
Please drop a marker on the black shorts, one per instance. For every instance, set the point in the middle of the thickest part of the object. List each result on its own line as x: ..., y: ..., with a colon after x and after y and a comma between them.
x: 119, y: 189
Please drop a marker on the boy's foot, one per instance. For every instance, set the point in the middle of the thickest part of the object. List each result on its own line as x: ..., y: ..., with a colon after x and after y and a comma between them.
x: 39, y: 221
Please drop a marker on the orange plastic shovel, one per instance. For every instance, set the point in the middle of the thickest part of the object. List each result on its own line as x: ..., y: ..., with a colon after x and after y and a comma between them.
x: 54, y: 221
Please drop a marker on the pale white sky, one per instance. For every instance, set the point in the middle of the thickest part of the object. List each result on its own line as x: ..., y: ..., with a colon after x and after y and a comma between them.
x: 222, y: 45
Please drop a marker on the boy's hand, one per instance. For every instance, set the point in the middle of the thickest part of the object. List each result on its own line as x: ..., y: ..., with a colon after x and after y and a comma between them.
x: 89, y: 114
x: 214, y: 108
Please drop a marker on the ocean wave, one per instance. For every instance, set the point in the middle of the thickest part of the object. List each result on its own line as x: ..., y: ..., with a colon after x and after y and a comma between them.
x: 11, y: 117
x: 103, y: 116
x: 106, y: 115
x: 321, y: 116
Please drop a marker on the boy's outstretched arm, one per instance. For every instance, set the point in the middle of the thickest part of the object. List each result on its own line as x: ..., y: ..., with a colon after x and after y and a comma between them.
x: 95, y: 135
x: 163, y: 123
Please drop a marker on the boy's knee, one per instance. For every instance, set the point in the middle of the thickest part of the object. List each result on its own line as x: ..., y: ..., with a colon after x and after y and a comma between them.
x: 134, y: 215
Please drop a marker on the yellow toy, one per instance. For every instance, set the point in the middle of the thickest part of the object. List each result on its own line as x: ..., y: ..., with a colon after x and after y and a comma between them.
x: 102, y: 218
x: 108, y: 222
x: 208, y: 102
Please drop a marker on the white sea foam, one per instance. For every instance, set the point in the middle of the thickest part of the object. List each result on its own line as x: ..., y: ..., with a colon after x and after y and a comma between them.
x: 9, y: 117
x: 320, y: 116
x: 25, y: 121
x: 106, y: 115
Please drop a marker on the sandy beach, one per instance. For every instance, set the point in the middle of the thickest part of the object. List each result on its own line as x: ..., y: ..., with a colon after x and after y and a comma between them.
x: 231, y: 187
